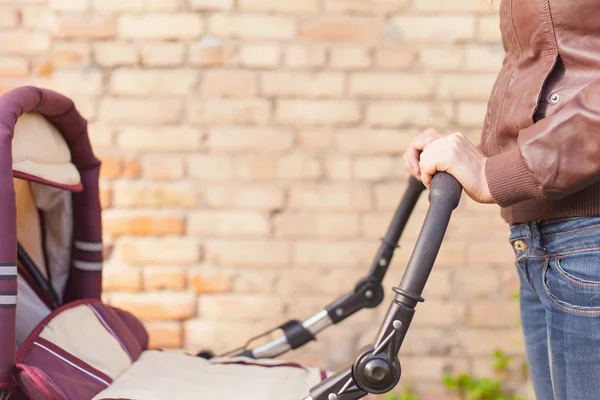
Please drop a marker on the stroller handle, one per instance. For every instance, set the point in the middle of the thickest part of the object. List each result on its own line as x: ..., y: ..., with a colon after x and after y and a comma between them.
x: 376, y: 369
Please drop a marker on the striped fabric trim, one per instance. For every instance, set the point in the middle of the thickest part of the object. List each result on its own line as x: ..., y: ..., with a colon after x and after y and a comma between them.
x: 72, y: 364
x: 90, y: 266
x: 8, y: 299
x: 8, y: 271
x: 109, y: 329
x: 95, y: 247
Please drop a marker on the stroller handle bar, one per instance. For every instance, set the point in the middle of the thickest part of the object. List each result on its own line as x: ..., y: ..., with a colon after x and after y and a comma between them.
x: 367, y: 293
x: 376, y: 369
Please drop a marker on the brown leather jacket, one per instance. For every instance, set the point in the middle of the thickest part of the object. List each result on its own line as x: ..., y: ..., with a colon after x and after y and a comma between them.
x: 542, y: 129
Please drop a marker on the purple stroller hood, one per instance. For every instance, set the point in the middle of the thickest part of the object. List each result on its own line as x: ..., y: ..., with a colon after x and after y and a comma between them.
x: 85, y: 275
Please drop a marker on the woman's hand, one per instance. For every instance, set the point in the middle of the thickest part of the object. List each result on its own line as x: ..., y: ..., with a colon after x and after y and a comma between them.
x: 459, y: 157
x: 411, y: 156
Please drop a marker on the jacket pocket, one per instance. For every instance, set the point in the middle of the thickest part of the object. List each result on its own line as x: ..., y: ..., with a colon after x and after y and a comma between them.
x: 572, y: 282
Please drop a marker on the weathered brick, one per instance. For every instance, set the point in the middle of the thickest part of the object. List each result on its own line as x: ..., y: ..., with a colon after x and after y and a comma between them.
x: 129, y: 194
x: 440, y: 314
x: 168, y: 306
x: 246, y: 139
x: 229, y: 83
x: 172, y: 138
x: 328, y: 254
x: 164, y: 278
x: 429, y: 369
x: 252, y: 26
x: 338, y: 168
x: 330, y: 197
x: 211, y: 5
x: 255, y: 167
x: 71, y: 54
x: 88, y: 82
x: 119, y: 222
x: 213, y: 223
x: 229, y: 111
x: 395, y: 58
x: 291, y: 7
x: 486, y: 342
x: 164, y: 334
x: 494, y: 314
x: 484, y: 58
x: 210, y: 280
x: 9, y: 17
x: 350, y: 57
x: 158, y: 251
x: 316, y: 282
x: 318, y: 111
x: 209, y: 53
x: 117, y: 167
x: 70, y: 5
x: 471, y: 114
x: 38, y: 19
x: 435, y: 28
x: 260, y: 55
x: 115, y: 53
x: 147, y: 82
x: 343, y: 29
x: 371, y: 142
x: 240, y: 308
x: 159, y: 167
x: 488, y: 29
x: 409, y: 113
x: 24, y: 43
x: 372, y: 168
x: 299, y: 166
x: 117, y: 5
x: 466, y: 87
x: 13, y: 67
x: 160, y: 26
x: 249, y: 196
x: 141, y: 111
x: 79, y: 26
x: 333, y: 225
x: 314, y: 140
x: 447, y: 58
x: 256, y: 281
x: 458, y: 7
x: 301, y: 56
x: 378, y: 85
x: 248, y: 253
x: 490, y: 253
x: 116, y: 279
x: 366, y: 6
x: 302, y: 84
x: 162, y: 54
x: 219, y: 335
x: 210, y: 167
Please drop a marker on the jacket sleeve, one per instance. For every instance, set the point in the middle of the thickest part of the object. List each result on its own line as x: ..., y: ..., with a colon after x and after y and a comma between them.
x: 555, y: 157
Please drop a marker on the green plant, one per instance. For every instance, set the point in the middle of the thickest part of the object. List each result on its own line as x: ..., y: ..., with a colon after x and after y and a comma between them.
x: 468, y: 387
x: 406, y: 394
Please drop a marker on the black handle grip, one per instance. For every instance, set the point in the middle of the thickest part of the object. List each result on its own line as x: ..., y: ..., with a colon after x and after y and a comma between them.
x: 444, y: 198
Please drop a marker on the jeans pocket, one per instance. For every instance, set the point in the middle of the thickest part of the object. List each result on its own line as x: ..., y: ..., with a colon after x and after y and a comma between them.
x: 572, y: 281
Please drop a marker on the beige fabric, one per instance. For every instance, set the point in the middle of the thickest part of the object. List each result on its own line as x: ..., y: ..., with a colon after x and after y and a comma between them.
x: 29, y: 232
x: 79, y: 332
x: 177, y: 376
x: 40, y: 150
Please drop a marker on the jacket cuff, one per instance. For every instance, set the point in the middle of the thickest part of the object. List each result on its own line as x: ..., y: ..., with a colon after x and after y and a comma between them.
x: 509, y: 179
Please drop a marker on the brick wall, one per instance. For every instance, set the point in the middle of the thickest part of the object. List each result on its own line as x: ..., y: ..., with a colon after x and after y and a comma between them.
x: 252, y: 159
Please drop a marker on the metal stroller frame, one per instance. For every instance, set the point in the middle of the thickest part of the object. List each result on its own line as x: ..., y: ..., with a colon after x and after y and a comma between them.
x: 376, y: 369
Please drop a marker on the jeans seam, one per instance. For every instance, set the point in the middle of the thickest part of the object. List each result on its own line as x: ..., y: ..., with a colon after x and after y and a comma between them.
x: 572, y: 279
x: 558, y: 303
x: 572, y: 231
x: 526, y: 277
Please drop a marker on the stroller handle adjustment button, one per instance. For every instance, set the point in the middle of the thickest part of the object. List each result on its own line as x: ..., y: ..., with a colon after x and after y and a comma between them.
x: 332, y: 396
x: 397, y: 324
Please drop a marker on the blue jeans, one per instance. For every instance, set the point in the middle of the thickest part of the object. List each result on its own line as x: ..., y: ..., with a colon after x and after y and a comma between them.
x: 559, y: 265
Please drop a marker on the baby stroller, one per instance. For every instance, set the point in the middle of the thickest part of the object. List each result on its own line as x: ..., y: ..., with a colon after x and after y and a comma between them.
x: 59, y: 341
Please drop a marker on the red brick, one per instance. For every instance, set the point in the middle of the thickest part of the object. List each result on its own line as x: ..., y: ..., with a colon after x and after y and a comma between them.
x: 164, y: 334
x: 343, y: 29
x: 119, y: 223
x: 85, y: 27
x: 167, y: 306
x: 210, y: 281
x: 164, y: 278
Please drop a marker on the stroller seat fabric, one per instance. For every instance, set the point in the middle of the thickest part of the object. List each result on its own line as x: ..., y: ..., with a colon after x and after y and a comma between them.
x: 58, y: 341
x: 89, y: 350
